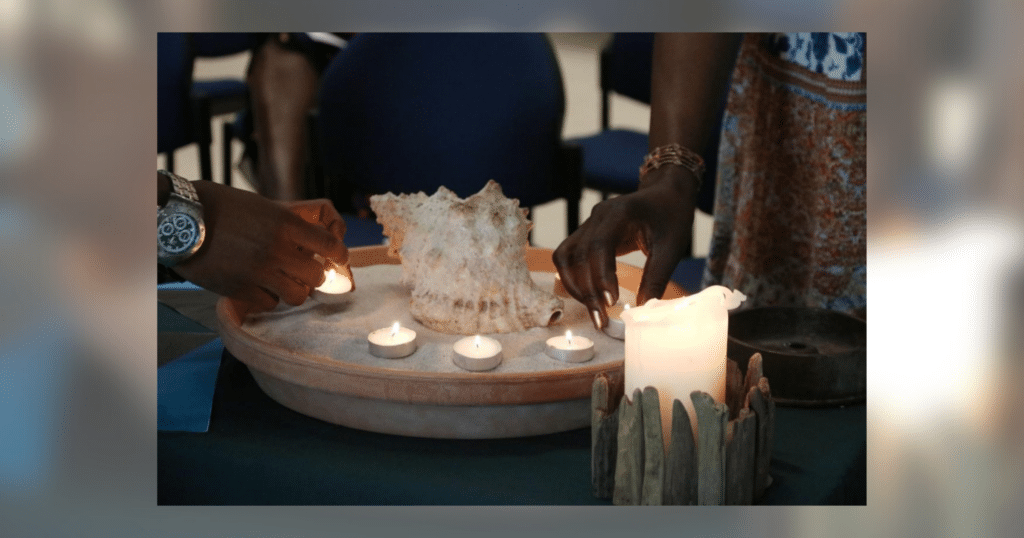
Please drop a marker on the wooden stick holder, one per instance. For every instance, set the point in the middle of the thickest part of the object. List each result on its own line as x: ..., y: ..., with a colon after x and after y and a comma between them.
x: 728, y: 464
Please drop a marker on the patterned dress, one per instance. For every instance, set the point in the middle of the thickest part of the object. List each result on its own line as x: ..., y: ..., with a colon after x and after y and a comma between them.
x: 790, y: 206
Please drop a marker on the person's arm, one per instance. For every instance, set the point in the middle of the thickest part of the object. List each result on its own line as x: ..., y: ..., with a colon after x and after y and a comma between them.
x: 261, y: 251
x: 689, y: 75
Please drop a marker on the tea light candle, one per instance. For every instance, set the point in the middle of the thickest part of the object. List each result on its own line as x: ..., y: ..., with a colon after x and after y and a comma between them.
x: 392, y: 342
x: 678, y: 346
x: 337, y: 281
x: 615, y: 327
x: 560, y: 288
x: 477, y: 353
x: 570, y: 348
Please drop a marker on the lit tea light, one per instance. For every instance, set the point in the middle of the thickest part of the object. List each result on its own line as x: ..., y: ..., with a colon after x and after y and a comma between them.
x: 570, y: 348
x: 392, y: 342
x: 335, y: 283
x: 477, y: 353
x: 560, y: 288
x: 616, y: 328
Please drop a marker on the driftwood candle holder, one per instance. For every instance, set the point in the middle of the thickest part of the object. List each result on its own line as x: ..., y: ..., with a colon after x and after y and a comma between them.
x: 728, y: 464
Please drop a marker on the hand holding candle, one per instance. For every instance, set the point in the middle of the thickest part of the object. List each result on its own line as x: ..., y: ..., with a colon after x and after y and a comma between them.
x: 337, y: 281
x: 616, y: 328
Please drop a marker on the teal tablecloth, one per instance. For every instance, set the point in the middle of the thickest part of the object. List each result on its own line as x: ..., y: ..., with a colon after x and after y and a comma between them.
x: 259, y: 452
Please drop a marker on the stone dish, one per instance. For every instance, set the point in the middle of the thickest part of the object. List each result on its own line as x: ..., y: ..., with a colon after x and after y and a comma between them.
x: 814, y: 357
x: 430, y: 397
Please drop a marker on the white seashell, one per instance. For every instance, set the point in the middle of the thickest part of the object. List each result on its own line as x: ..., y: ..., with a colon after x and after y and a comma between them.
x: 464, y: 261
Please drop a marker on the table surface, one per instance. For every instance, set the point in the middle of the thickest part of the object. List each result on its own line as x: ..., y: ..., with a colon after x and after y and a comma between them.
x: 257, y: 452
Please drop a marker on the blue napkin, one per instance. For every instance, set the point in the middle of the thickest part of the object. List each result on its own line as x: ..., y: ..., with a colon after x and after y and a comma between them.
x: 34, y: 367
x: 185, y: 389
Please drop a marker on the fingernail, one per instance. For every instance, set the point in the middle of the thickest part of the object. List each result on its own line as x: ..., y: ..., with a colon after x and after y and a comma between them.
x: 597, y: 318
x: 608, y: 298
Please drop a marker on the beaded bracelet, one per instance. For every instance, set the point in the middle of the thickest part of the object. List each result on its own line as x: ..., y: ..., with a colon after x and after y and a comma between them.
x: 673, y: 154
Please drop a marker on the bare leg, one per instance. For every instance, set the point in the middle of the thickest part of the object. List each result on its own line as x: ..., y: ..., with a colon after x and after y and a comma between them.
x: 282, y: 86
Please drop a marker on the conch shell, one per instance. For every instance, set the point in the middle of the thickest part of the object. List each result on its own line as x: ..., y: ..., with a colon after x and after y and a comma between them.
x: 464, y: 261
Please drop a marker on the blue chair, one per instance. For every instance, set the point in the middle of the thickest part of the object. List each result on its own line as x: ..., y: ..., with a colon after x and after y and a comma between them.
x: 412, y: 112
x: 174, y: 76
x: 612, y: 157
x: 187, y: 106
x: 213, y: 97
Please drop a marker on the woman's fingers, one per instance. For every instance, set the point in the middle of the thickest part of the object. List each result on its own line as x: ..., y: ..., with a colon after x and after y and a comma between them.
x: 300, y: 265
x: 320, y: 214
x: 662, y: 259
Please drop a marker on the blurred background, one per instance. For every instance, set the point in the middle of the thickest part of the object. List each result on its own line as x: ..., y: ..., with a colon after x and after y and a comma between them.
x: 579, y: 58
x: 77, y: 286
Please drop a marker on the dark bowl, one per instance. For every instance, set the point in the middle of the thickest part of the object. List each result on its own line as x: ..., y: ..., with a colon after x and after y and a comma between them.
x: 812, y: 357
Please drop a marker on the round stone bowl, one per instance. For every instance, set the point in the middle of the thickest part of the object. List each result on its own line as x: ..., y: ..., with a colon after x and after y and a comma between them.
x: 811, y: 356
x: 460, y: 405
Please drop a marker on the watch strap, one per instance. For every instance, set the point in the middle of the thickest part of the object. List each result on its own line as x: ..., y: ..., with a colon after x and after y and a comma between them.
x: 181, y: 187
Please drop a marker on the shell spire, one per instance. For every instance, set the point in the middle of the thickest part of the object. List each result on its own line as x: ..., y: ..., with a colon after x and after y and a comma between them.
x: 464, y: 261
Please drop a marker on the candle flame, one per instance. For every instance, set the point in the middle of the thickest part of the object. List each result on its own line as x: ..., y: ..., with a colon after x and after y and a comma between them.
x: 568, y: 337
x: 476, y: 341
x: 394, y: 329
x: 331, y: 275
x: 625, y: 306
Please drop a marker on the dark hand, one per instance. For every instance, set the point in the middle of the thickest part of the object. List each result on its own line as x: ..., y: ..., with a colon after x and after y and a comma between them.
x: 321, y: 212
x: 657, y: 220
x: 260, y: 251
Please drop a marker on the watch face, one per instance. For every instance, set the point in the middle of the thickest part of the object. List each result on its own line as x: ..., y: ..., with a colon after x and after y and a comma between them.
x: 178, y: 233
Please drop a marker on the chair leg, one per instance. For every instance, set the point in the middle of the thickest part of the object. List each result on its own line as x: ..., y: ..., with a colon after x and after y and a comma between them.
x: 226, y: 152
x: 203, y: 137
x: 529, y: 235
x: 205, y: 162
x: 573, y: 207
x: 572, y: 174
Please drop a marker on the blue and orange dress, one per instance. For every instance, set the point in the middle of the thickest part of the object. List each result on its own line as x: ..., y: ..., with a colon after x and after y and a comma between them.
x: 790, y: 206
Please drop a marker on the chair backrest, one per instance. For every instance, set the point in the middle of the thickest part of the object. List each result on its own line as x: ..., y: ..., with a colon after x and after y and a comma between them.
x: 411, y: 112
x: 626, y: 65
x: 174, y: 79
x: 215, y: 44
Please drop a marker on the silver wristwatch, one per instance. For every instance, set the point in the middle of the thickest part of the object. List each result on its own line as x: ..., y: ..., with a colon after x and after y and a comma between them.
x: 180, y: 228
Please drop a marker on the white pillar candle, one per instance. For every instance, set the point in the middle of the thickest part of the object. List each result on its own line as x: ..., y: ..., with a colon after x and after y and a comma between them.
x: 477, y: 353
x: 392, y: 342
x: 570, y: 348
x: 616, y: 328
x: 678, y: 346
